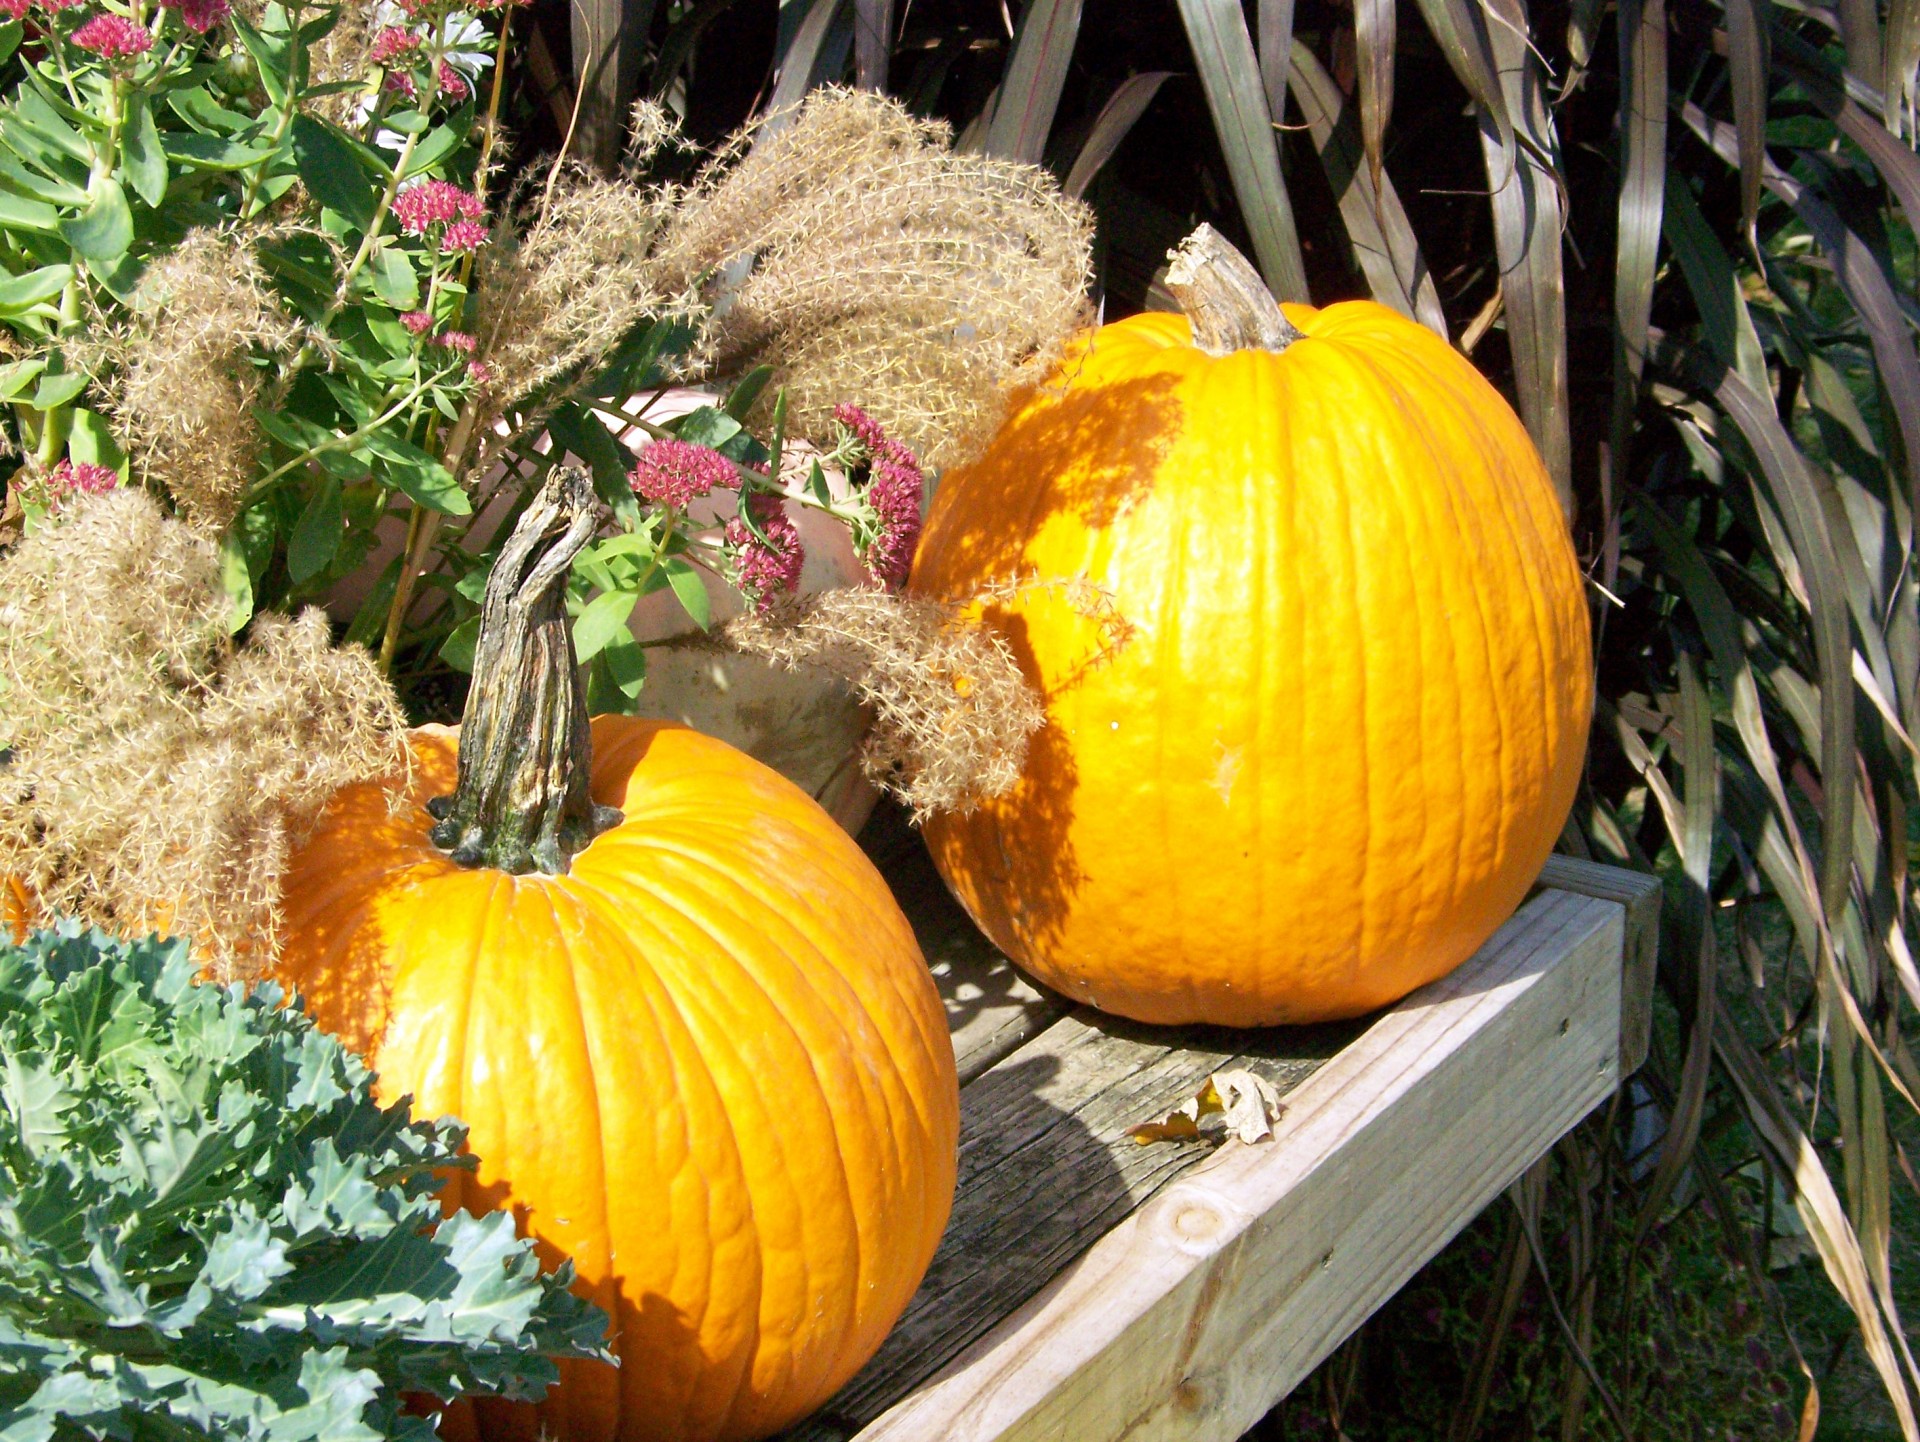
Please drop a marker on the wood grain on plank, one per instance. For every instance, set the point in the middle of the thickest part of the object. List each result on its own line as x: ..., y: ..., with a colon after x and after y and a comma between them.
x: 1639, y: 893
x: 1197, y: 1311
x: 1047, y: 1167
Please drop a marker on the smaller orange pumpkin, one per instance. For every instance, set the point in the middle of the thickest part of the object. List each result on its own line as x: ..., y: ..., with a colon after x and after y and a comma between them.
x: 692, y: 1035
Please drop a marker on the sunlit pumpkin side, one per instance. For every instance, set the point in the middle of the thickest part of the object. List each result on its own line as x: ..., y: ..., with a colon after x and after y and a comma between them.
x: 697, y: 1046
x: 1299, y: 594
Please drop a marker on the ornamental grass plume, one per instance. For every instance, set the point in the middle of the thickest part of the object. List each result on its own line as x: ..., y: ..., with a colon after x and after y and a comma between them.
x: 886, y: 269
x: 187, y: 385
x: 156, y: 775
x: 952, y: 712
x: 567, y: 278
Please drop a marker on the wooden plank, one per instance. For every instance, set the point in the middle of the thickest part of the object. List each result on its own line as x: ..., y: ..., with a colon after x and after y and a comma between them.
x: 1047, y: 1167
x: 1199, y: 1310
x: 1639, y: 893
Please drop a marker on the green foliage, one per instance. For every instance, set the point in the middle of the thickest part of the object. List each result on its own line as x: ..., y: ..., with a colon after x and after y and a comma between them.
x: 209, y: 1228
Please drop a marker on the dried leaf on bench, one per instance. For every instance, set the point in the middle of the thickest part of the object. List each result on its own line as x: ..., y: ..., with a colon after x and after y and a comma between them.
x: 1249, y: 1104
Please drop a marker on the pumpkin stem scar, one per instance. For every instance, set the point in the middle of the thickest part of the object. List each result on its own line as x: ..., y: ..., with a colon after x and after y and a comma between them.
x: 521, y: 803
x: 1224, y: 299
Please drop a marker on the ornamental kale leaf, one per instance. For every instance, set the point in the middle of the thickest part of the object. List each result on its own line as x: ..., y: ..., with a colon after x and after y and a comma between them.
x: 210, y: 1229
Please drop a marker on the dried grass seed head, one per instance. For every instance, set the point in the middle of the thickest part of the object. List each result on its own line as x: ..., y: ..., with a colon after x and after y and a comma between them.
x: 187, y: 384
x: 159, y: 777
x: 568, y: 277
x: 952, y: 711
x: 886, y: 269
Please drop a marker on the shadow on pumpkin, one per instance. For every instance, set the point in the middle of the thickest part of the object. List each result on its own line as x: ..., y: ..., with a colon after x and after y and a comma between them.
x: 1100, y: 449
x: 1037, y: 1187
x: 1018, y: 535
x: 588, y: 1403
x: 1012, y: 864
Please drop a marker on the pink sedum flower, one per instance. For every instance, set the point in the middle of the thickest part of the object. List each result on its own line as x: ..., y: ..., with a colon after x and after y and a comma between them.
x: 392, y: 43
x: 479, y: 372
x: 463, y: 235
x: 417, y: 321
x: 113, y: 37
x: 453, y: 85
x: 895, y: 484
x: 764, y: 571
x: 81, y: 478
x: 199, y: 16
x: 435, y: 202
x: 455, y: 340
x: 894, y: 493
x: 15, y: 9
x: 676, y: 473
x: 862, y: 425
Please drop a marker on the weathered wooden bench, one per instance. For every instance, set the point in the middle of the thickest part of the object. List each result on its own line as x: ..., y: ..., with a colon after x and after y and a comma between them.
x: 1091, y: 1287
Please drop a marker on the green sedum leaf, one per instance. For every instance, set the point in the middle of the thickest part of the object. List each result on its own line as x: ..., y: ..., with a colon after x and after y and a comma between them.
x: 103, y: 232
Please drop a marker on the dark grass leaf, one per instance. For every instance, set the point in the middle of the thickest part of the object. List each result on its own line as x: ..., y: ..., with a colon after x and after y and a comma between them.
x: 1643, y: 172
x: 1699, y: 770
x: 1123, y: 109
x: 1511, y: 1274
x: 1230, y: 75
x: 678, y: 46
x: 1719, y: 623
x: 1900, y: 63
x: 1899, y: 167
x: 1583, y: 23
x: 1527, y: 222
x: 1383, y: 241
x: 822, y: 33
x: 1789, y: 479
x: 1461, y: 29
x: 1792, y: 1153
x: 1864, y: 279
x: 1274, y: 20
x: 1529, y: 1208
x: 1860, y: 33
x: 872, y: 42
x: 1713, y: 283
x: 1373, y: 42
x: 1747, y: 73
x: 1037, y: 73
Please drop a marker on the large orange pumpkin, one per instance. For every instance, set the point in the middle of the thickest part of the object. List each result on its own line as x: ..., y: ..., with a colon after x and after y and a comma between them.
x: 1333, y: 716
x: 705, y: 1062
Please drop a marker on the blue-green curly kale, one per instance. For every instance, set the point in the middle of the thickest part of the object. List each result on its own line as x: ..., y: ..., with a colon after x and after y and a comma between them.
x: 209, y: 1228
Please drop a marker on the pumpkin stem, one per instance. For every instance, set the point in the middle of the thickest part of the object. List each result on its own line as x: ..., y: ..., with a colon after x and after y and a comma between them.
x: 526, y: 752
x: 1225, y: 301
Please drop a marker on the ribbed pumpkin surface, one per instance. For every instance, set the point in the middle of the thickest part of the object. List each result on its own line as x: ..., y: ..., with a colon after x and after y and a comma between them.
x: 1340, y: 721
x: 709, y: 1065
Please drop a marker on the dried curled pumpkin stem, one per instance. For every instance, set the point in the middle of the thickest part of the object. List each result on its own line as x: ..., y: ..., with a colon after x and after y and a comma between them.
x: 522, y: 802
x: 1223, y: 297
